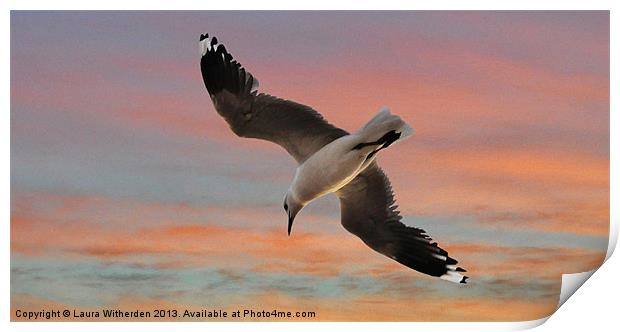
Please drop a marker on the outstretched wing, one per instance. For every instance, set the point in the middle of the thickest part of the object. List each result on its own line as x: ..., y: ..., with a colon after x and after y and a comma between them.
x: 368, y: 211
x: 297, y: 128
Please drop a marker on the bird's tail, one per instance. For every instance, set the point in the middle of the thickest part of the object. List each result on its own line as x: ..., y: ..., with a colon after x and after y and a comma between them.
x: 385, y: 124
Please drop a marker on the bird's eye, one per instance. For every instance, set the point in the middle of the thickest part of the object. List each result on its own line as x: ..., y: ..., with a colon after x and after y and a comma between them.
x: 285, y: 206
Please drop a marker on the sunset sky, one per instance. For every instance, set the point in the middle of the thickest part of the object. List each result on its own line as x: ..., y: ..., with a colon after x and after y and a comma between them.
x: 129, y: 191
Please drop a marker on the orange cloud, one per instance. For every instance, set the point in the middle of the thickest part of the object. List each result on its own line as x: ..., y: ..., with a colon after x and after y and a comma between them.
x: 526, y: 262
x: 545, y: 190
x: 260, y: 249
x: 197, y: 244
x: 256, y: 249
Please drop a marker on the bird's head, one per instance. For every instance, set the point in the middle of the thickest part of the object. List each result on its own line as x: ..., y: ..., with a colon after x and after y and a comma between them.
x: 292, y: 206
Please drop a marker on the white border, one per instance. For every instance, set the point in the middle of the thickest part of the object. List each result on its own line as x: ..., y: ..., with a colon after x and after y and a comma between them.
x: 597, y: 304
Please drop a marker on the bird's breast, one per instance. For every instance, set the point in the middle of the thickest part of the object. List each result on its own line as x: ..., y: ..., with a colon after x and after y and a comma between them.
x: 328, y: 170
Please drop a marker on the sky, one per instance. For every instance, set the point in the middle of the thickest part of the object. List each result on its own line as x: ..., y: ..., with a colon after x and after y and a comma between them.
x: 129, y: 191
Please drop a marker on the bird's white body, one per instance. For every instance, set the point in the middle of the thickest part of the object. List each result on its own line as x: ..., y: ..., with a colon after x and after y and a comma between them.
x: 329, y: 169
x: 339, y: 162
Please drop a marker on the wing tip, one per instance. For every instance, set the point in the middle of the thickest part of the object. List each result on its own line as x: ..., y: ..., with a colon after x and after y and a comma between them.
x: 455, y: 277
x: 206, y: 43
x: 219, y: 71
x: 453, y: 272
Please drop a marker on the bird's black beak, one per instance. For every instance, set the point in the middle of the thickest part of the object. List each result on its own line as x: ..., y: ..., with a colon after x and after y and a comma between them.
x: 290, y: 224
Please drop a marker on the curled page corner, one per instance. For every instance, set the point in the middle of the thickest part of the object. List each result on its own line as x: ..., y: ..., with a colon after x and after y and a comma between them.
x: 613, y: 240
x: 571, y: 282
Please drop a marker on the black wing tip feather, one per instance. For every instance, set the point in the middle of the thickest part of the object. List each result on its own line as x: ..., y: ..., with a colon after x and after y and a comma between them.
x: 418, y: 251
x: 431, y: 266
x: 220, y: 71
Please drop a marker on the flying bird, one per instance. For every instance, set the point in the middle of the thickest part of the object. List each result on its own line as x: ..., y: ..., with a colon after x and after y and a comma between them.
x: 330, y: 159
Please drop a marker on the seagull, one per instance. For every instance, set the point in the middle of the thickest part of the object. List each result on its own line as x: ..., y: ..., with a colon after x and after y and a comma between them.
x: 330, y: 159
